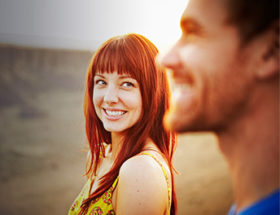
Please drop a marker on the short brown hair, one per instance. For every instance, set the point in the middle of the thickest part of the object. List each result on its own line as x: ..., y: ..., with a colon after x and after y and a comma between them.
x: 252, y: 17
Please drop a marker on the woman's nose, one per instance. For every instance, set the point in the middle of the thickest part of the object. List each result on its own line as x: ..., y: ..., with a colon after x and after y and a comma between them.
x: 111, y: 95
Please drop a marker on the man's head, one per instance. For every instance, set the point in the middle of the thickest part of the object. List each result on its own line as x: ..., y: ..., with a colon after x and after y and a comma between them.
x: 226, y: 49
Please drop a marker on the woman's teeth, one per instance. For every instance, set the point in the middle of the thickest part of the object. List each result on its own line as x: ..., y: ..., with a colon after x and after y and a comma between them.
x: 114, y: 113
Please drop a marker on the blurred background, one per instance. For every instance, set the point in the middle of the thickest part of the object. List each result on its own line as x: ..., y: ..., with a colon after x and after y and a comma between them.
x: 45, y: 49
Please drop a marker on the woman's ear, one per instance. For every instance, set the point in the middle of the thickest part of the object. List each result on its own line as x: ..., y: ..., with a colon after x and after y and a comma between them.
x: 270, y: 57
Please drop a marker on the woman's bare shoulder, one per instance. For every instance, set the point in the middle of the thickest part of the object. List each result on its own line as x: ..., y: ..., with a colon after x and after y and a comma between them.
x: 143, y: 185
x: 138, y: 163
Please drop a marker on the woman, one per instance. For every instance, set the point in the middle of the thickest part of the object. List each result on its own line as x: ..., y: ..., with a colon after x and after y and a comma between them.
x: 129, y: 166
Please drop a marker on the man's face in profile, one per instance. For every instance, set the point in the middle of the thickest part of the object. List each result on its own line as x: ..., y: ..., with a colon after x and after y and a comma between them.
x: 209, y: 69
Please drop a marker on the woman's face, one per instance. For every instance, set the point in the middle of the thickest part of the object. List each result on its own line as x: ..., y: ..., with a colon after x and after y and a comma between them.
x: 117, y: 100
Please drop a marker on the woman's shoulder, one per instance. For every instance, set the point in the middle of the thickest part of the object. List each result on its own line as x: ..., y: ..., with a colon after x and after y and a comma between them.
x: 141, y: 182
x: 139, y: 163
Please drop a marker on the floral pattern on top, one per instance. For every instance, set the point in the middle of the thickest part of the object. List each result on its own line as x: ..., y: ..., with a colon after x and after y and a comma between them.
x: 99, y: 206
x: 96, y: 211
x: 107, y: 196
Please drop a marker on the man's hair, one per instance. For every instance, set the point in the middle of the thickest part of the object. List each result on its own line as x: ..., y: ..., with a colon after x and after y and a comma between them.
x: 252, y: 17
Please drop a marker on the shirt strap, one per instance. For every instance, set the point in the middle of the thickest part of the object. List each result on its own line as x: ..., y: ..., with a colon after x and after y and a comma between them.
x: 115, y: 183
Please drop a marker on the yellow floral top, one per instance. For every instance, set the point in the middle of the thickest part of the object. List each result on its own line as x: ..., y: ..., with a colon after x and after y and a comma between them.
x: 103, y: 204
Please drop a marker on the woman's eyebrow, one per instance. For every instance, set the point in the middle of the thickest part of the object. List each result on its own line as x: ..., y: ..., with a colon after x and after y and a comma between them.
x: 102, y: 76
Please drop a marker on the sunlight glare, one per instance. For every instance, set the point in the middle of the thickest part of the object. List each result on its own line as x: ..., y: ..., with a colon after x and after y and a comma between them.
x: 158, y: 20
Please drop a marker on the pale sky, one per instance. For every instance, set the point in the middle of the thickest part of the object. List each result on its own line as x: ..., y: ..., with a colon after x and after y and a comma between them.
x: 85, y: 24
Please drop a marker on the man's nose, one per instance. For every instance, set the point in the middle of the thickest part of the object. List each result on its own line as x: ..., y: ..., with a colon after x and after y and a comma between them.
x: 171, y: 59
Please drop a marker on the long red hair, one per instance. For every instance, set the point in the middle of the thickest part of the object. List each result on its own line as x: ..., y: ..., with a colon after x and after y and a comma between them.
x: 131, y: 54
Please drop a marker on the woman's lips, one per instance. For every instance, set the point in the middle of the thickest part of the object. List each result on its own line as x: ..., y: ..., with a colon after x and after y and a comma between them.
x: 113, y: 114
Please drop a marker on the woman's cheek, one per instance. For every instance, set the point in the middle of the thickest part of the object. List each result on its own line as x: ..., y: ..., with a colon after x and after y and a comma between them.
x: 97, y: 102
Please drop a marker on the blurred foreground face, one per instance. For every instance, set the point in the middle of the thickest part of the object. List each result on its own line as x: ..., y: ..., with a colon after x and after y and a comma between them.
x: 212, y: 73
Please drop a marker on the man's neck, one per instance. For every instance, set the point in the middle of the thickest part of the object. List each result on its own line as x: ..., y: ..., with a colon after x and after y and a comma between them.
x: 251, y: 147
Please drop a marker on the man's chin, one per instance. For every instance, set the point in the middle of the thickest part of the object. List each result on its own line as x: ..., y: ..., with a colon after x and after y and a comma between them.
x: 180, y: 122
x: 175, y: 122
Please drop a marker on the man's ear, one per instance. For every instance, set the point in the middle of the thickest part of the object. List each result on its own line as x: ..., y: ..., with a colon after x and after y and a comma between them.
x: 270, y: 57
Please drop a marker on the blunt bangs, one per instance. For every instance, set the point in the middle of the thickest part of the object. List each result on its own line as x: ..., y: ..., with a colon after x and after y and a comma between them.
x: 117, y: 56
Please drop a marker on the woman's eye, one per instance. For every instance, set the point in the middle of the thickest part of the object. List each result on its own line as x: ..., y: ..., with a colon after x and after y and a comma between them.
x: 128, y: 84
x: 100, y: 82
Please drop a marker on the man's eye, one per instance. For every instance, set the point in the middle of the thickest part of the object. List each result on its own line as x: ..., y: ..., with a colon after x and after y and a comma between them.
x: 190, y: 28
x: 100, y: 82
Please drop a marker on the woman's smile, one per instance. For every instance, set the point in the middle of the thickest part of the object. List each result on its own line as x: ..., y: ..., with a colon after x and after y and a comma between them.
x: 113, y: 114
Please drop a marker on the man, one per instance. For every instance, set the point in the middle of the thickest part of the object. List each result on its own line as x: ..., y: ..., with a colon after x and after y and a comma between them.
x: 225, y: 68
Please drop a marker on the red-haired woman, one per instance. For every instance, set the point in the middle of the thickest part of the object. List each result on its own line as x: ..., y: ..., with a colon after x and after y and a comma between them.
x: 129, y: 168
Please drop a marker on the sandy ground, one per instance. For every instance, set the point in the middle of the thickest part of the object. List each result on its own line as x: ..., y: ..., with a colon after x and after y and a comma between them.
x: 42, y: 140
